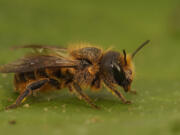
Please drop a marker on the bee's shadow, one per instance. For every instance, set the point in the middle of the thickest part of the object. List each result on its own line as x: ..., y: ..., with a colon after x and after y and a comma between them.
x: 52, y: 99
x: 59, y: 99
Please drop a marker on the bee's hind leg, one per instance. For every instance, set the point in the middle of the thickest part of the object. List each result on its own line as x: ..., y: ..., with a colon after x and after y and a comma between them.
x: 29, y: 90
x: 83, y: 96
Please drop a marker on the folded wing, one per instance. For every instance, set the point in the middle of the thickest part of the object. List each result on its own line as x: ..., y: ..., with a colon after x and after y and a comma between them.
x: 32, y: 63
x: 46, y: 50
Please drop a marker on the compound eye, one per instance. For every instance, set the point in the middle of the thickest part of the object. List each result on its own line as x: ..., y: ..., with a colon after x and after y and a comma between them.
x: 114, y: 65
x: 118, y: 74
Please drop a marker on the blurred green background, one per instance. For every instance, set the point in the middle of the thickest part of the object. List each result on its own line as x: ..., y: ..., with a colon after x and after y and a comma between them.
x: 119, y: 23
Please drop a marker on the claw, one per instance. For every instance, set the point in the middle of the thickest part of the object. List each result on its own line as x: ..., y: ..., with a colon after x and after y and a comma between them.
x: 127, y: 102
x: 133, y: 92
x: 96, y: 107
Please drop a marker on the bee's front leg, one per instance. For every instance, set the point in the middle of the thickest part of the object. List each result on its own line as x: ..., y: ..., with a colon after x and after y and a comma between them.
x: 116, y: 92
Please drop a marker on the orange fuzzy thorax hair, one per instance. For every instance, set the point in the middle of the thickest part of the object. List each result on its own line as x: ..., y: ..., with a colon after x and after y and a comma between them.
x: 76, y: 46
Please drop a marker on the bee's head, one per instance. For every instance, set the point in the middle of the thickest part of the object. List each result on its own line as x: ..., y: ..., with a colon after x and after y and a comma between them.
x: 123, y: 71
x: 118, y: 67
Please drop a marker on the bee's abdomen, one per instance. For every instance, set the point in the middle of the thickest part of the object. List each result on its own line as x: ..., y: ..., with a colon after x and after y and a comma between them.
x: 24, y: 77
x: 42, y: 73
x: 58, y: 78
x: 58, y: 74
x: 20, y: 77
x: 30, y: 76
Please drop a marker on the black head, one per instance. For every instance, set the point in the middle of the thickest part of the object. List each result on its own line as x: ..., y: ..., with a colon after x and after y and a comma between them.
x: 115, y: 68
x: 118, y: 68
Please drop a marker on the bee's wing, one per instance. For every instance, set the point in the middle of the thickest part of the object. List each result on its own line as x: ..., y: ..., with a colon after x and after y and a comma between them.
x: 46, y: 49
x: 41, y: 47
x: 31, y: 63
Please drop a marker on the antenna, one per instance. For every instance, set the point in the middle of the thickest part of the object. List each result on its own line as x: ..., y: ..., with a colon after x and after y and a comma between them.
x: 139, y: 48
x: 124, y: 52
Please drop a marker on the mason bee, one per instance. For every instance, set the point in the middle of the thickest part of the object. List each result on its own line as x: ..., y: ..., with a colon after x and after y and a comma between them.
x: 73, y: 68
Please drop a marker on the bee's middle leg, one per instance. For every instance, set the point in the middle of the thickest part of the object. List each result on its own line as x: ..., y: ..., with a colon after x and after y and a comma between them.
x: 29, y: 90
x: 82, y: 95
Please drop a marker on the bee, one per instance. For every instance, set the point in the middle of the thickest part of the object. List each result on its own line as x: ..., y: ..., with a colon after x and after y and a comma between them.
x: 54, y: 68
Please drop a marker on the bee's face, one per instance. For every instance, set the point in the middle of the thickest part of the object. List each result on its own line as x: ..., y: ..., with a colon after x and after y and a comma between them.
x: 121, y: 73
x: 123, y: 76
